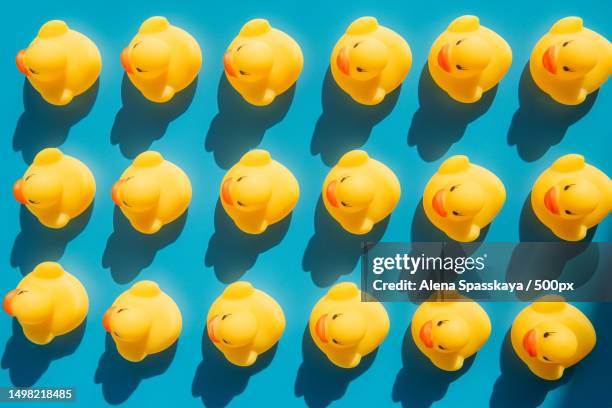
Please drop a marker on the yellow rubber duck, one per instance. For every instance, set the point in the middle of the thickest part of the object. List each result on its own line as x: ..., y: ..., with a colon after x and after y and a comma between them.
x: 571, y: 196
x: 345, y: 328
x: 48, y: 302
x: 161, y: 59
x: 244, y: 322
x: 462, y: 198
x: 152, y: 192
x: 60, y: 63
x: 143, y: 320
x: 262, y: 62
x: 359, y: 191
x: 571, y: 61
x: 468, y: 59
x: 552, y: 336
x: 258, y: 192
x: 370, y: 61
x: 448, y: 332
x: 55, y: 188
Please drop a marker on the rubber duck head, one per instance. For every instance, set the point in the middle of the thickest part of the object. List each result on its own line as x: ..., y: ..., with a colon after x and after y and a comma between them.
x: 465, y: 57
x: 235, y: 329
x: 459, y: 201
x: 572, y: 198
x: 351, y: 192
x: 147, y: 58
x: 29, y: 306
x: 445, y: 333
x: 341, y: 329
x: 250, y: 61
x: 128, y: 324
x: 571, y: 58
x: 247, y: 192
x: 363, y: 59
x: 136, y: 193
x: 44, y: 60
x: 551, y: 342
x: 41, y: 190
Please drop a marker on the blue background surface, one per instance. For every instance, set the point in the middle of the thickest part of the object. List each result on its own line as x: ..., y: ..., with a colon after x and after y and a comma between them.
x: 207, y: 128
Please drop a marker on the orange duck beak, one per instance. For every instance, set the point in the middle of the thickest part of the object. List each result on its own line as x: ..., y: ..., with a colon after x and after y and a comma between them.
x: 18, y: 191
x: 115, y: 192
x: 342, y: 61
x: 125, y: 61
x: 320, y: 329
x: 106, y: 319
x: 210, y: 328
x: 438, y: 203
x: 425, y: 334
x: 330, y: 193
x: 444, y: 58
x: 549, y: 59
x: 227, y: 64
x: 226, y: 195
x: 551, y: 200
x: 529, y: 343
x: 19, y: 60
x: 6, y: 304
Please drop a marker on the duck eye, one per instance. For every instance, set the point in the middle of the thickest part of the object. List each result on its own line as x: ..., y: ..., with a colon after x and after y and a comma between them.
x: 566, y: 68
x: 458, y: 214
x: 453, y: 188
x: 441, y: 322
x: 239, y: 178
x: 460, y: 68
x: 356, y: 44
x: 31, y: 201
x: 546, y: 334
x: 239, y: 47
x: 567, y: 187
x: 225, y: 341
x: 243, y: 72
x: 344, y: 204
x: 121, y: 310
x: 32, y: 71
x: 335, y: 341
x: 139, y: 69
x: 568, y: 212
x: 334, y: 317
x: 441, y: 348
x: 225, y: 316
x: 359, y: 69
x: 545, y: 358
x: 565, y: 43
x: 240, y: 204
x: 343, y: 178
x: 124, y: 203
x: 459, y: 42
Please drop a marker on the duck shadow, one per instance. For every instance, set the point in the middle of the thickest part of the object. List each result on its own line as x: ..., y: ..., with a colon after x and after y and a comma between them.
x: 140, y: 121
x: 217, y: 381
x: 128, y: 251
x: 517, y: 386
x: 321, y: 382
x: 36, y: 243
x: 240, y: 126
x: 120, y: 377
x: 440, y: 120
x: 592, y: 379
x: 345, y: 124
x: 541, y: 122
x: 27, y: 362
x: 419, y: 383
x: 541, y: 255
x: 333, y: 251
x: 232, y: 252
x: 45, y: 125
